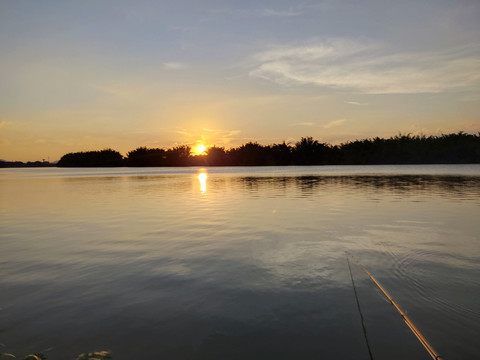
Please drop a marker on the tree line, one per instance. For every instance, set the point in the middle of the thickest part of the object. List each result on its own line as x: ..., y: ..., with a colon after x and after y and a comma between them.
x: 18, y: 164
x: 458, y: 148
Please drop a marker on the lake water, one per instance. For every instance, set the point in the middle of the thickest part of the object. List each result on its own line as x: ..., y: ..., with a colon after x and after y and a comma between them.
x: 239, y: 263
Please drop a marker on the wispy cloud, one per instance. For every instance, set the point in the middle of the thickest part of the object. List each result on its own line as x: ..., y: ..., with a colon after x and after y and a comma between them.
x: 366, y: 67
x: 306, y: 123
x: 174, y: 65
x: 334, y: 123
x: 182, y: 132
x: 281, y: 13
x: 209, y: 130
x: 356, y: 103
x: 223, y: 132
x: 261, y: 12
x: 210, y: 136
x: 224, y: 137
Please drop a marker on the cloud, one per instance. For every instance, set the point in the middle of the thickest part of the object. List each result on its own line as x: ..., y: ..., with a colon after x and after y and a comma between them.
x: 333, y: 123
x: 304, y: 124
x: 356, y: 103
x: 281, y: 13
x: 261, y: 12
x: 209, y: 136
x: 182, y: 132
x: 174, y: 65
x: 223, y: 136
x: 209, y: 130
x: 366, y: 67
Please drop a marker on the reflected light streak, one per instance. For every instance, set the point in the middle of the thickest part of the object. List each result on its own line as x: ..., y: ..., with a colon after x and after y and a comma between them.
x: 203, y: 182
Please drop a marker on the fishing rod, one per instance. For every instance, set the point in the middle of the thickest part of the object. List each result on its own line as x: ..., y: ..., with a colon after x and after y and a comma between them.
x: 433, y: 354
x: 360, y: 312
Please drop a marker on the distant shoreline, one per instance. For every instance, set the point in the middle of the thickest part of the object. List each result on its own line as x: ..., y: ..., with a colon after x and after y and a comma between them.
x: 456, y: 148
x: 29, y: 164
x: 51, y: 165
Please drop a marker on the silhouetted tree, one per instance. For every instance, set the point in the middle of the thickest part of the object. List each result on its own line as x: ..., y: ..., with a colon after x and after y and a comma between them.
x: 103, y: 158
x: 178, y: 156
x: 281, y: 154
x: 310, y: 152
x: 146, y: 157
x: 408, y: 149
x: 217, y: 156
x: 249, y: 154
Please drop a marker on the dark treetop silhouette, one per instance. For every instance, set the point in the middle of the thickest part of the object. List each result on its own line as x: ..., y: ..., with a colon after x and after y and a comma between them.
x: 460, y: 148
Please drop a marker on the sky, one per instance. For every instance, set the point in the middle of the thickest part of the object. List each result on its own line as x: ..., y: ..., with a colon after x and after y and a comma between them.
x: 94, y: 74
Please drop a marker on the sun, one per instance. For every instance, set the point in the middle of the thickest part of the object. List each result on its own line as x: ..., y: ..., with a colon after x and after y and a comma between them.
x: 200, y: 149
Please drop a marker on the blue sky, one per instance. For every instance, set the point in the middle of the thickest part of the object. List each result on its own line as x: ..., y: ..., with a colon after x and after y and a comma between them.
x: 83, y: 75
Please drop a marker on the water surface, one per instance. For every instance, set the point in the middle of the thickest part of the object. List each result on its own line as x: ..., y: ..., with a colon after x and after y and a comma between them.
x: 236, y: 263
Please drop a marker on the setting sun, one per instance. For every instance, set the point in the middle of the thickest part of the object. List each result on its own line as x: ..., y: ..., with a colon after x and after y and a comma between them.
x: 200, y: 149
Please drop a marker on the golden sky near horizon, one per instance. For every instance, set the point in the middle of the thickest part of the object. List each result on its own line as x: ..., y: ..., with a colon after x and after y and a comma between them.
x: 83, y: 76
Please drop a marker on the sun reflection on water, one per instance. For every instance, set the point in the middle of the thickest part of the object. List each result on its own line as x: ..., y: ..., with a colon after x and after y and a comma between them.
x: 202, y: 177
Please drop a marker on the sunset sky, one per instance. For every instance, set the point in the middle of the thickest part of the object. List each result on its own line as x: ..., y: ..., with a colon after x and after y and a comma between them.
x: 87, y: 75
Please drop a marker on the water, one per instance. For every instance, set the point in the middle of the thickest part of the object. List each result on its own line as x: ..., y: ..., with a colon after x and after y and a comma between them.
x: 239, y: 262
